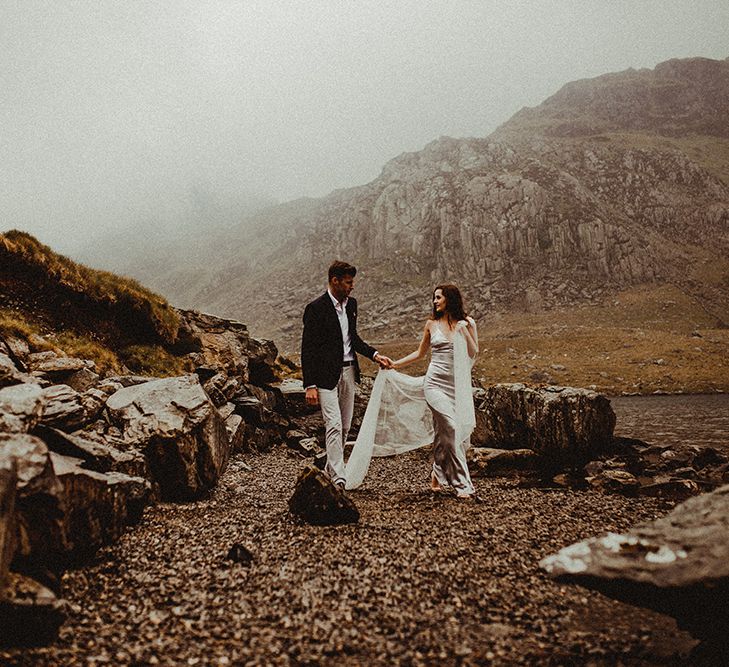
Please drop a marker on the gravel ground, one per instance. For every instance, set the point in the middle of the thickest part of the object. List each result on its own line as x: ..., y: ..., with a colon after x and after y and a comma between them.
x: 422, y: 579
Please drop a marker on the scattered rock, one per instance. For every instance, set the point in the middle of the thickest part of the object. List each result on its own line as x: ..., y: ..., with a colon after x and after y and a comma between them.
x: 670, y: 487
x: 487, y: 460
x: 615, y: 481
x: 240, y: 554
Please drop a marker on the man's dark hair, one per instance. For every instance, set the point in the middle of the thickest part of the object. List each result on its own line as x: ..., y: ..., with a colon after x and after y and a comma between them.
x: 340, y: 269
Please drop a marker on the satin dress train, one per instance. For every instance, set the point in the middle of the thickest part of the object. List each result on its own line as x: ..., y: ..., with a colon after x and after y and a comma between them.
x: 449, y: 465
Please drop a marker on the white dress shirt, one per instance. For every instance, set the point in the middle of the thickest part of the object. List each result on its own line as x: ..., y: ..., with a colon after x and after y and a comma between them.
x: 341, y: 309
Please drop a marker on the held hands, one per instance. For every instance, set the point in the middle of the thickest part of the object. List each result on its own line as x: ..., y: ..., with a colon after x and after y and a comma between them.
x: 385, y: 362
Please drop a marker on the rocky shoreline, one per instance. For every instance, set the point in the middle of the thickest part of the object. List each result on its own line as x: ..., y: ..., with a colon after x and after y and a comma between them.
x: 421, y: 579
x: 170, y: 480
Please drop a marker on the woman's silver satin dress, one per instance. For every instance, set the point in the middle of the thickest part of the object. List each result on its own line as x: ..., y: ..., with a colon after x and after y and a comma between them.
x: 449, y: 457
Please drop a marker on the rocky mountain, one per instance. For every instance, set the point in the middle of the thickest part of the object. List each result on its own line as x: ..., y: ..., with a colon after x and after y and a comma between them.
x: 612, y: 182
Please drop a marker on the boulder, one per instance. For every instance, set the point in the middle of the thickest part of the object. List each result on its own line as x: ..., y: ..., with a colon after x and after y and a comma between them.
x: 668, y: 486
x: 8, y: 528
x: 236, y: 428
x: 60, y: 366
x: 181, y: 433
x: 9, y: 373
x: 17, y: 350
x: 676, y: 565
x: 82, y: 380
x: 218, y: 343
x: 30, y: 613
x: 615, y: 481
x: 97, y: 453
x: 99, y: 506
x: 93, y: 402
x: 63, y: 408
x: 256, y: 439
x: 21, y: 407
x: 39, y: 508
x: 294, y: 397
x: 487, y: 460
x: 563, y: 425
x: 308, y: 447
x: 318, y: 501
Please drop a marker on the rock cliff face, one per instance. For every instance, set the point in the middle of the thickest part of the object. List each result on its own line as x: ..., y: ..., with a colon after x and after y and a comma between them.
x: 611, y: 182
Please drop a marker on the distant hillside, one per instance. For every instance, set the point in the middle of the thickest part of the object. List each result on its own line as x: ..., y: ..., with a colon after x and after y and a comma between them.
x: 613, y: 182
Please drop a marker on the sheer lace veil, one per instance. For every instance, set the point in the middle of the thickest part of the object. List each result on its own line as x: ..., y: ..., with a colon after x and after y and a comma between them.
x: 398, y: 419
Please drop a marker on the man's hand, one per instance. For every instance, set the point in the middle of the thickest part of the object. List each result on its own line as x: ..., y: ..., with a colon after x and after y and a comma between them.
x: 385, y: 362
x: 312, y: 396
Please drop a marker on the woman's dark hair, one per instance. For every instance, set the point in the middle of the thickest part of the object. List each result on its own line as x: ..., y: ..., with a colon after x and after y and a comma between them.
x: 340, y: 269
x: 454, y: 303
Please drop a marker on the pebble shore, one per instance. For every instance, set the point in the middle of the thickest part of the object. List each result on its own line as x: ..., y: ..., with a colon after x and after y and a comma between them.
x: 422, y: 579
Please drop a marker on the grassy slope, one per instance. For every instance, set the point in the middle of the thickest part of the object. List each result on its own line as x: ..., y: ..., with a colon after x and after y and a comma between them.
x: 55, y: 303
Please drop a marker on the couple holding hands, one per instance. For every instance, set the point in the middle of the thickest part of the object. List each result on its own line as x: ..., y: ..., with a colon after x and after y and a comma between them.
x: 403, y: 412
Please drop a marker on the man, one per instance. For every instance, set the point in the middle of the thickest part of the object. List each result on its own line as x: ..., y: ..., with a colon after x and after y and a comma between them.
x: 329, y: 348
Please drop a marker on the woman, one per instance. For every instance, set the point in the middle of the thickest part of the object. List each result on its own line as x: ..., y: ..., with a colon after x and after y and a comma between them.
x: 407, y: 412
x: 447, y: 323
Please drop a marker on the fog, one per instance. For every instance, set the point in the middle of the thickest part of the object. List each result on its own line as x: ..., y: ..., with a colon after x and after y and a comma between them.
x: 116, y: 114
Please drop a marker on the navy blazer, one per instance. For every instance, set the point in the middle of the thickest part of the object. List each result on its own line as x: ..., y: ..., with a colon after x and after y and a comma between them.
x: 322, y: 347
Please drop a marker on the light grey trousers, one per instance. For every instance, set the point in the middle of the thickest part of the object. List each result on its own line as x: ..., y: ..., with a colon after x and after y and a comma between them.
x: 337, y: 406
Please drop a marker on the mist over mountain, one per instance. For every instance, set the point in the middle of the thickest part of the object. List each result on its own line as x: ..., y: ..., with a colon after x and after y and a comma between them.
x: 614, y: 181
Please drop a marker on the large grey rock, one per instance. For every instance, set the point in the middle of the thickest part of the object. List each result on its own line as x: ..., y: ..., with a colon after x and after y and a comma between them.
x: 63, y: 408
x: 9, y: 373
x: 227, y: 345
x: 21, y: 407
x: 182, y: 434
x: 99, y: 506
x: 677, y: 565
x: 97, y: 452
x: 318, y: 501
x: 39, y: 506
x: 82, y: 380
x: 563, y: 425
x: 8, y: 529
x: 30, y: 613
x: 17, y: 350
x: 61, y: 365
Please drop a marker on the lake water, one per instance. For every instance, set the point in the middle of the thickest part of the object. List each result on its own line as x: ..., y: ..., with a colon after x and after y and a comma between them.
x: 696, y: 419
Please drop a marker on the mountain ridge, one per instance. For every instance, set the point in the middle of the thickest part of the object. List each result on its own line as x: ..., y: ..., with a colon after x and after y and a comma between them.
x: 587, y: 194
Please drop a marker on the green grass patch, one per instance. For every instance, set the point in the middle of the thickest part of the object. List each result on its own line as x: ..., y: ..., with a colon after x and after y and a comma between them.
x: 100, y: 286
x: 154, y: 360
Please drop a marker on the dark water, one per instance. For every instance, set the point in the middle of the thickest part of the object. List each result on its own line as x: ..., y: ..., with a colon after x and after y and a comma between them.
x: 698, y: 419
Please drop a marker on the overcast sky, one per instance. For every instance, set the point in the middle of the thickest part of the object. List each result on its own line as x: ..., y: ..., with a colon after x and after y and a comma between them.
x: 113, y: 112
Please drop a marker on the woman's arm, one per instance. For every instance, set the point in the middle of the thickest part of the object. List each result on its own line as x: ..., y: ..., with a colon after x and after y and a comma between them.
x: 468, y: 327
x: 419, y: 353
